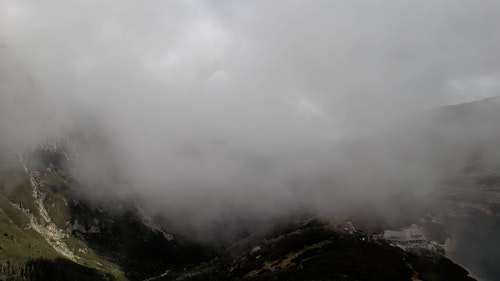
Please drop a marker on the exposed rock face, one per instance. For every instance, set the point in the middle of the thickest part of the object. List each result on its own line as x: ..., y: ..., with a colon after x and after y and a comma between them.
x: 152, y: 224
x: 52, y: 234
x: 75, y: 226
x: 103, y: 235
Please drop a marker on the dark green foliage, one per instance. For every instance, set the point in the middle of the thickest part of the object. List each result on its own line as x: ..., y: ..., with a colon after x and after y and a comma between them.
x: 318, y: 252
x: 297, y: 240
x: 126, y: 241
x: 127, y: 248
x: 54, y: 270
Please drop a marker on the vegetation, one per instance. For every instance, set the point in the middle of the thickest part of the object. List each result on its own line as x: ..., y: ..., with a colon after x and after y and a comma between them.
x: 122, y: 247
x: 47, y: 269
x: 319, y: 252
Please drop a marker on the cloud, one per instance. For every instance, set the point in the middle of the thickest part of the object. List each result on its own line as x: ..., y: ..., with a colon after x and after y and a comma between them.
x: 473, y: 88
x: 237, y: 105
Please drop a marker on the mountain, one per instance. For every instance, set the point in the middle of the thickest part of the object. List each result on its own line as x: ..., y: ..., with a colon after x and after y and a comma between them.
x: 445, y: 165
x: 50, y: 233
x: 317, y: 250
x: 51, y: 230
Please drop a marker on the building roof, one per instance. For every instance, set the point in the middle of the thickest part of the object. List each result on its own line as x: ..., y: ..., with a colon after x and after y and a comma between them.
x: 413, y: 233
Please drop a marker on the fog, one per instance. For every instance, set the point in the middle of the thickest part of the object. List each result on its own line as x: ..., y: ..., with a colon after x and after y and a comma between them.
x: 216, y: 110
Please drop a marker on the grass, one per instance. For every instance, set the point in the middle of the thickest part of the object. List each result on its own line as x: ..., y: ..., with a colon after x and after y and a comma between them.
x: 20, y: 245
x: 127, y: 249
x: 17, y: 241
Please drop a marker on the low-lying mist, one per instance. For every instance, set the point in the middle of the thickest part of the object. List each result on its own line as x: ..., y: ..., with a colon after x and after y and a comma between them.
x: 212, y: 111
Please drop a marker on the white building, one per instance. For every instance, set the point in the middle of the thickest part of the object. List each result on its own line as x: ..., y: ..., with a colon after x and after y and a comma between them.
x: 413, y: 236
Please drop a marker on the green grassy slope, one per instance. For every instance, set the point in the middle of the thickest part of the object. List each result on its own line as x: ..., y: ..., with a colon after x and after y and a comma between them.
x: 94, y: 240
x: 23, y: 250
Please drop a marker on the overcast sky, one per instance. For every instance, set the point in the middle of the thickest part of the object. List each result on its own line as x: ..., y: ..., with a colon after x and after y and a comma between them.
x: 230, y: 99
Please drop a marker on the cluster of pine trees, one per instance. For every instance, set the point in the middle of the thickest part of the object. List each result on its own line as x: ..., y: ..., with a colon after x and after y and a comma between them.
x: 46, y: 269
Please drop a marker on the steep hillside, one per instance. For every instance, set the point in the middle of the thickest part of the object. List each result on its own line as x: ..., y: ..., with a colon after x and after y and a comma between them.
x: 32, y: 246
x: 448, y: 165
x: 47, y: 224
x: 50, y: 230
x: 319, y: 251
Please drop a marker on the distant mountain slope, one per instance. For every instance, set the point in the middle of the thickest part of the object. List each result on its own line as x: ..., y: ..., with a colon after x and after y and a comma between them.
x: 445, y: 164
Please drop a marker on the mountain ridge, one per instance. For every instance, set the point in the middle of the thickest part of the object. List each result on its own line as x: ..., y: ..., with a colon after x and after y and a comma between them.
x: 49, y: 226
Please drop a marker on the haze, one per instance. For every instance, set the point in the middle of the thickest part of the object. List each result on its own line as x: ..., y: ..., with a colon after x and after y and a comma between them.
x: 232, y: 109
